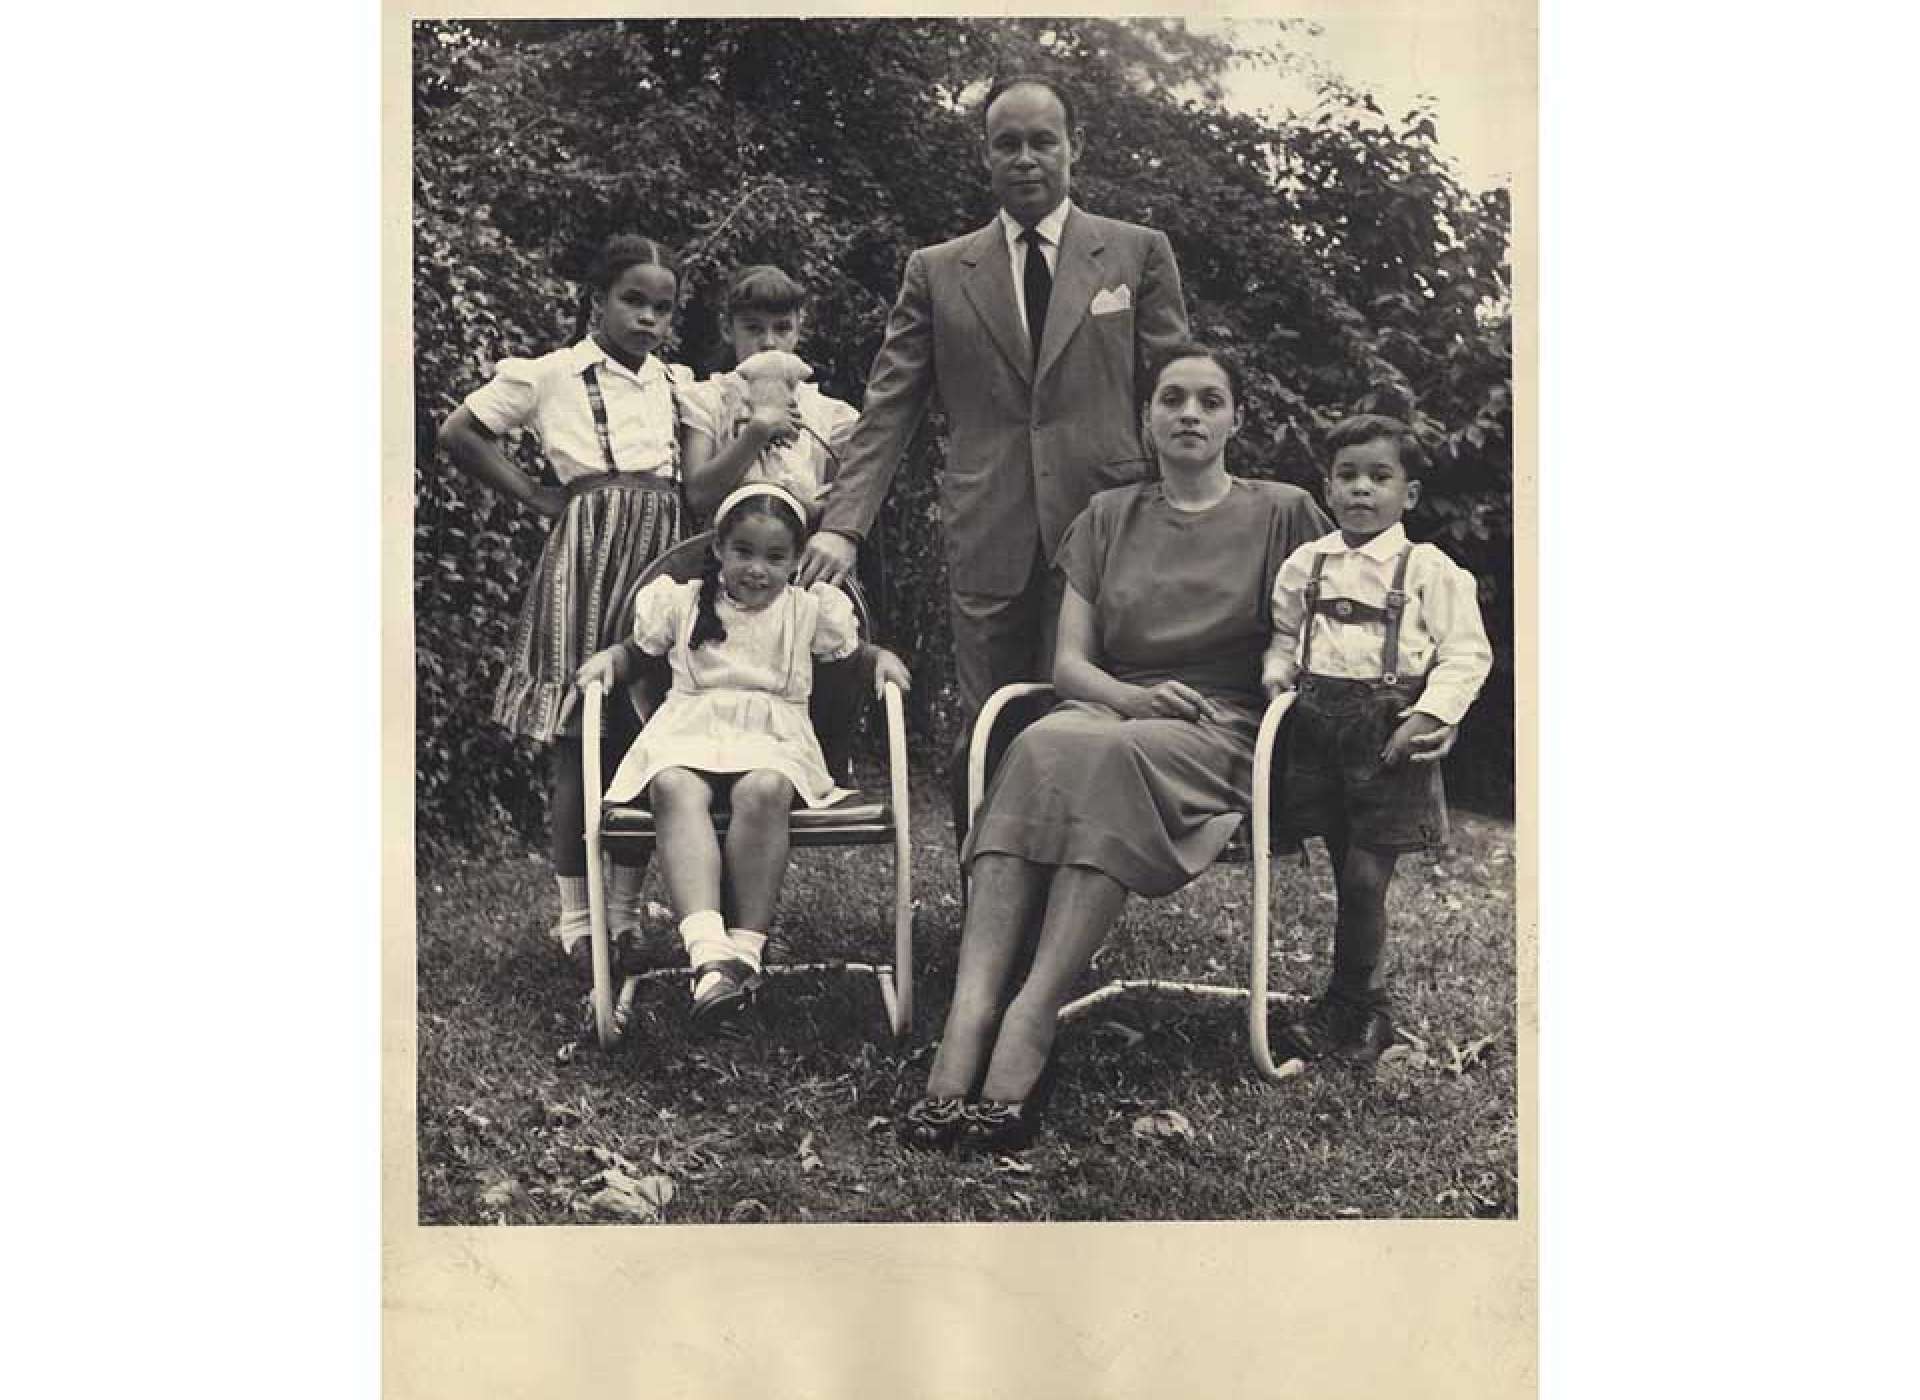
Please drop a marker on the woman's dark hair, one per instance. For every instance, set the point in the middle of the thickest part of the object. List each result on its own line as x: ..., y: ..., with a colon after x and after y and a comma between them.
x: 1014, y: 80
x: 1363, y: 428
x: 616, y: 255
x: 764, y: 287
x: 1191, y: 350
x: 707, y: 626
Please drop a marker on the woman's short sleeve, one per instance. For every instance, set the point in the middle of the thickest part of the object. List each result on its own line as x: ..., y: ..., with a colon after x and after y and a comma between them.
x: 1079, y: 555
x: 1297, y: 521
x: 657, y: 612
x: 836, y: 631
x: 507, y: 401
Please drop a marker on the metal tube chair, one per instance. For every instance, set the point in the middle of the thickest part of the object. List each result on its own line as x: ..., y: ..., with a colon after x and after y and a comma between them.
x: 1012, y: 707
x: 856, y: 822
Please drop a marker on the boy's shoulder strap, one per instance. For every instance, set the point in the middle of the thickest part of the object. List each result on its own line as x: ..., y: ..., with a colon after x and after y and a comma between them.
x: 1396, y: 604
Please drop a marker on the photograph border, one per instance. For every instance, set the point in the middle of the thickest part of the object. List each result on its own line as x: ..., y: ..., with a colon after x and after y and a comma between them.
x: 1368, y: 1308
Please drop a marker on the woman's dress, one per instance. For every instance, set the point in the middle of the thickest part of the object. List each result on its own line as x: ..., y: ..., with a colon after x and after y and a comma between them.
x: 1176, y: 595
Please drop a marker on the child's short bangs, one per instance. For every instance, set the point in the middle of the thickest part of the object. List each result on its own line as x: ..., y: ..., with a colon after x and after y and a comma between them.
x: 765, y: 289
x: 1363, y: 428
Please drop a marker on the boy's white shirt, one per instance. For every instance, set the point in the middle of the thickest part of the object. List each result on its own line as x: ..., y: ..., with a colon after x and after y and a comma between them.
x: 1441, y: 634
x: 792, y: 465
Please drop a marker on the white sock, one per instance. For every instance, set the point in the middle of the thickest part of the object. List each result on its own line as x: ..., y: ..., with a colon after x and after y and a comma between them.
x: 576, y: 919
x: 626, y: 906
x: 748, y: 945
x: 705, y: 937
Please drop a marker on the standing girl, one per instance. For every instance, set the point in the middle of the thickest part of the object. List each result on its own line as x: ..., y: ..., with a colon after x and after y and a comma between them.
x: 742, y: 642
x: 760, y: 421
x: 604, y: 410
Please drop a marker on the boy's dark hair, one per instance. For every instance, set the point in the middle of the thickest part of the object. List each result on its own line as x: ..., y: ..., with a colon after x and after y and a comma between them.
x: 1052, y: 85
x: 707, y: 626
x: 764, y: 287
x: 1189, y: 350
x: 1363, y: 428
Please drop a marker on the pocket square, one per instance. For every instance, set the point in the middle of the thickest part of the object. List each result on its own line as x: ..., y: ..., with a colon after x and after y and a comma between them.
x: 1111, y: 299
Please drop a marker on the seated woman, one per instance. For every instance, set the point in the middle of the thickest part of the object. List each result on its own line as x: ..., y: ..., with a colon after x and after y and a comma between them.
x: 1136, y: 782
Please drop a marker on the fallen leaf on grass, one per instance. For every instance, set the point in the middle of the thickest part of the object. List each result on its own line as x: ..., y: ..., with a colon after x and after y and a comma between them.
x: 877, y: 1122
x: 1463, y: 1058
x: 1401, y: 1059
x: 637, y: 1198
x: 501, y: 1194
x: 1163, y: 1123
x: 809, y: 1159
x: 608, y: 1158
x: 1013, y: 1164
x: 751, y: 1208
x: 1131, y: 1036
x: 478, y: 1121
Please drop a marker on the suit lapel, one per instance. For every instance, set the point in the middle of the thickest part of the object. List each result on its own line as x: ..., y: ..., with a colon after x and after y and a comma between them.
x: 989, y: 286
x: 1076, y: 277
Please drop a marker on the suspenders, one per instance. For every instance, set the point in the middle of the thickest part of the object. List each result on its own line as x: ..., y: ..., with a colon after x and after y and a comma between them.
x: 595, y: 400
x: 1351, y: 610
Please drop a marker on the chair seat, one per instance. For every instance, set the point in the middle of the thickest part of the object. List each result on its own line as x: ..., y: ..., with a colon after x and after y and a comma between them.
x: 854, y: 820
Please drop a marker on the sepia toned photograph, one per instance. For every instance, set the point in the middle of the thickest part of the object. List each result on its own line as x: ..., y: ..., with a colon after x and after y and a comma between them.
x: 964, y: 622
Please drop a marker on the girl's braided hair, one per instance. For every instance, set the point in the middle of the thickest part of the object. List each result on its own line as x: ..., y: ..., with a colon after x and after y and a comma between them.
x: 707, y: 626
x: 616, y: 255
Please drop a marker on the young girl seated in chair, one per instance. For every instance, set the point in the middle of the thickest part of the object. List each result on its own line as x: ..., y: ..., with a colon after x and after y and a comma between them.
x: 741, y: 641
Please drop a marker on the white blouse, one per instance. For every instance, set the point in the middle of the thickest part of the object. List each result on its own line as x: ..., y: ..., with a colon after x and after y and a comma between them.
x: 549, y: 396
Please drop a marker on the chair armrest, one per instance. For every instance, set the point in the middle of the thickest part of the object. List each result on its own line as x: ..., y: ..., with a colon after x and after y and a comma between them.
x: 594, y: 697
x: 1263, y: 747
x: 982, y: 738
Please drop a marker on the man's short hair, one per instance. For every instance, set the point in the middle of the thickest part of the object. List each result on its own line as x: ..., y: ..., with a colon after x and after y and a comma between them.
x: 1052, y: 85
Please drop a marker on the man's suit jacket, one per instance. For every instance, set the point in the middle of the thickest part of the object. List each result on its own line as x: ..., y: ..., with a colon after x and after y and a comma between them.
x: 1028, y: 444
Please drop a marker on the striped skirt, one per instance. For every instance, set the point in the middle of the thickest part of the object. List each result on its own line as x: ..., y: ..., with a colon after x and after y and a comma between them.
x: 579, y: 601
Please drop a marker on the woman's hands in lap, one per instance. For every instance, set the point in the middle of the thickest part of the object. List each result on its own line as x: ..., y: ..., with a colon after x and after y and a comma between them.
x: 1171, y: 700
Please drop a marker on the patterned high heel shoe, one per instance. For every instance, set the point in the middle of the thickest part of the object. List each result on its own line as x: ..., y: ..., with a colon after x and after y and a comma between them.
x: 1003, y: 1125
x: 931, y: 1124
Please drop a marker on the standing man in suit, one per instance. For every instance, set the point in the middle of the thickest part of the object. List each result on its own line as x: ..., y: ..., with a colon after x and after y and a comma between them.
x: 1033, y: 330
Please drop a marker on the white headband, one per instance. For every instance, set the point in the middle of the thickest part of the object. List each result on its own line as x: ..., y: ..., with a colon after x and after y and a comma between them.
x: 757, y: 488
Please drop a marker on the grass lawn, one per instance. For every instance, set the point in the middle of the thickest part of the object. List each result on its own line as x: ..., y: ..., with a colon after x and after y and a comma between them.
x: 795, y: 1123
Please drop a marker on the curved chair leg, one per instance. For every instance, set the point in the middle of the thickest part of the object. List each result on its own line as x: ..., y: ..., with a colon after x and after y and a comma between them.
x: 1263, y: 894
x: 900, y: 1011
x: 603, y: 1020
x: 981, y: 741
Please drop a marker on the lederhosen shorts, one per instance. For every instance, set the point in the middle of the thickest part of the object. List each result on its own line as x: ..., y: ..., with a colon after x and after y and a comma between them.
x: 1334, y: 783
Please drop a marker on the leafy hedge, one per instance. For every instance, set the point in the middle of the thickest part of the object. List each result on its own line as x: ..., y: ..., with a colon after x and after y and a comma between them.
x: 1336, y: 252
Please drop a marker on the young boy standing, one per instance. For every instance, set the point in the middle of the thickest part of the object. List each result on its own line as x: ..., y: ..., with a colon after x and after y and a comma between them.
x: 1383, y: 643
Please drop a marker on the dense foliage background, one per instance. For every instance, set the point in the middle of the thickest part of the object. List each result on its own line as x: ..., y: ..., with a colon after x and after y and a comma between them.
x: 1337, y: 253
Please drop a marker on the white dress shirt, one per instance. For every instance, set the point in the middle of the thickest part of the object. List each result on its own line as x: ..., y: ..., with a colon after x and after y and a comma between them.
x: 1441, y: 635
x: 1048, y: 228
x: 549, y: 395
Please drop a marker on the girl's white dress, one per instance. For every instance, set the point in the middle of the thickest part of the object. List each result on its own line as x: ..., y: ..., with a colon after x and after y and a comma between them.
x: 739, y: 704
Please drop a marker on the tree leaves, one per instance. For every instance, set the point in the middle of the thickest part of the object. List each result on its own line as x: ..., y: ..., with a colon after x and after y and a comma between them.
x: 1337, y: 253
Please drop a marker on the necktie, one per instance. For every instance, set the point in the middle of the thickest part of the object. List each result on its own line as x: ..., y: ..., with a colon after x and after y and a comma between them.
x: 1039, y: 286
